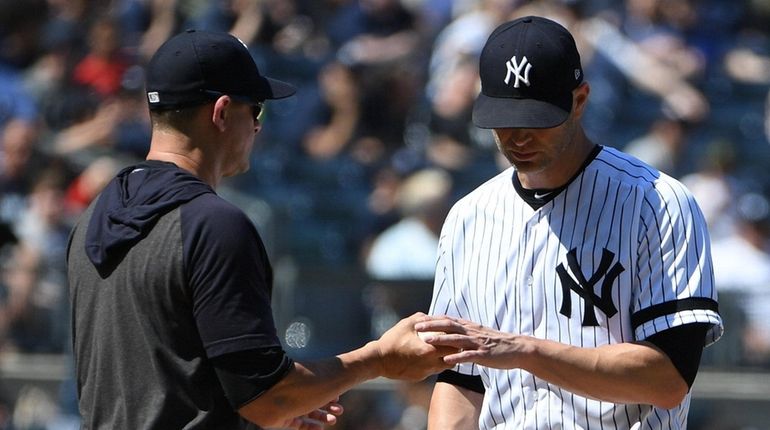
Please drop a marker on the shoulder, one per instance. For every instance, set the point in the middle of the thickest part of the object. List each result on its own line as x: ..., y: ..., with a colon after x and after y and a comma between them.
x: 653, y: 184
x: 218, y: 237
x: 213, y: 209
x: 624, y: 167
x: 216, y: 220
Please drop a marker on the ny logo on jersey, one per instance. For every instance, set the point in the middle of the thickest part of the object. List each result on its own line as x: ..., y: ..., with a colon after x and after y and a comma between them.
x: 514, y: 68
x: 585, y: 288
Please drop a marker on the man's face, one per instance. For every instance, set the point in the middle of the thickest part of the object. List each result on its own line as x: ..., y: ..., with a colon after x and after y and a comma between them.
x: 246, y: 128
x: 536, y: 150
x: 548, y: 157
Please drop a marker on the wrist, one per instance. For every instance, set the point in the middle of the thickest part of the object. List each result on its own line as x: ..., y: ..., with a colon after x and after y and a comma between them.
x: 528, y: 352
x: 363, y: 363
x: 374, y: 360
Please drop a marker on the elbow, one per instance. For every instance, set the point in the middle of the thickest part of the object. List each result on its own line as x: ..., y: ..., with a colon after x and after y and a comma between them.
x: 670, y: 402
x: 671, y: 395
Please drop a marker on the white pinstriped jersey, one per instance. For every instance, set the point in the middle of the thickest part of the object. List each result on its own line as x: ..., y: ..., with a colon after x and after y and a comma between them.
x: 620, y: 254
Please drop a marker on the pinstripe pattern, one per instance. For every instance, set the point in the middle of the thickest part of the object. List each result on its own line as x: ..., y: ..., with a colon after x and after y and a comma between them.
x: 497, y: 266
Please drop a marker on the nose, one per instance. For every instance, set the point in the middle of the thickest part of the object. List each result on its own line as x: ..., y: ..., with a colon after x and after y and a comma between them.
x: 518, y: 137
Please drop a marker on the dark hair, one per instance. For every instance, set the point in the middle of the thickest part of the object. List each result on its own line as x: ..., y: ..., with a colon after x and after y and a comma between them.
x: 178, y: 119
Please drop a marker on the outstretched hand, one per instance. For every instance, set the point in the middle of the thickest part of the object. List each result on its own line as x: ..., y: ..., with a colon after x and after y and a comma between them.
x: 317, y: 419
x: 404, y: 355
x: 474, y: 342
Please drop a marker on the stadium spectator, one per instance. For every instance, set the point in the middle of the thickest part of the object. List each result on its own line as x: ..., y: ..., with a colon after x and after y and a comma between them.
x: 102, y: 69
x: 662, y: 146
x: 407, y: 249
x: 742, y: 269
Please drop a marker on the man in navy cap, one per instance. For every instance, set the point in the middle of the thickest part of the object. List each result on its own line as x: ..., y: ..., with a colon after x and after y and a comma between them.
x: 170, y: 284
x: 579, y: 279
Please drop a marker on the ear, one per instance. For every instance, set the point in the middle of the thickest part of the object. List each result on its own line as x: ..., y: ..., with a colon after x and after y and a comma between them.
x: 580, y: 99
x: 220, y: 112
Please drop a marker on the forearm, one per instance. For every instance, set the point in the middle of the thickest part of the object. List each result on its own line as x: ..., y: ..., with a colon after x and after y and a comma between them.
x: 619, y: 373
x: 398, y: 354
x: 311, y: 385
x: 333, y: 137
x: 249, y: 21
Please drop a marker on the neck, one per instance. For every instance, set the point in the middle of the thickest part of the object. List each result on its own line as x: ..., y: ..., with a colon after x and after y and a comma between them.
x: 181, y: 150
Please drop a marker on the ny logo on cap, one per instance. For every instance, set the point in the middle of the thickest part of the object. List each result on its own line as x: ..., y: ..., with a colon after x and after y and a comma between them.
x: 515, y: 68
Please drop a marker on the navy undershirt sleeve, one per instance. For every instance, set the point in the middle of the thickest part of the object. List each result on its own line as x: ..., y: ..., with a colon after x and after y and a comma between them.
x: 684, y: 346
x: 469, y: 382
x: 230, y: 280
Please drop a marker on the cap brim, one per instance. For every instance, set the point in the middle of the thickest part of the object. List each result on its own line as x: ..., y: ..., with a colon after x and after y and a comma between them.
x: 505, y: 112
x: 278, y: 89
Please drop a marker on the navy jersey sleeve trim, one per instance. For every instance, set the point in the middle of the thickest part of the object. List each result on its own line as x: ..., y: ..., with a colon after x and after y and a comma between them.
x: 234, y: 344
x: 667, y: 308
x: 469, y: 382
x: 246, y: 375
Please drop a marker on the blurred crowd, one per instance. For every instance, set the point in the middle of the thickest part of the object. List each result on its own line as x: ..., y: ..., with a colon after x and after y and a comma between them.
x: 359, y: 168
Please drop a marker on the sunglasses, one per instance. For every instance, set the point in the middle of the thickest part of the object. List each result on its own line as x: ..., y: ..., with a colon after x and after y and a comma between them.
x: 256, y: 110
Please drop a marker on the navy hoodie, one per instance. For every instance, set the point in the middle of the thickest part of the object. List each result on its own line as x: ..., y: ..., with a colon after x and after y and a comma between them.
x: 166, y: 280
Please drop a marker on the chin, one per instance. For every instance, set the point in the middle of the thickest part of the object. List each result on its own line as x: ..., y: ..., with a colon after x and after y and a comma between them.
x: 238, y: 171
x: 523, y: 166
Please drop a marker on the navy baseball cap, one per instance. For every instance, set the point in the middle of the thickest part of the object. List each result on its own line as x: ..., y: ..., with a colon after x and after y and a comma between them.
x: 197, y: 66
x: 528, y: 69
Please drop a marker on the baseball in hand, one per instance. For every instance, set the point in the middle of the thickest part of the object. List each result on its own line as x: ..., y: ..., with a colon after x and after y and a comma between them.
x: 425, y: 334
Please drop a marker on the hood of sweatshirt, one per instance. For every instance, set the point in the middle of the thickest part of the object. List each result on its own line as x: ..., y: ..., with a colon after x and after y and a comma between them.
x: 131, y: 204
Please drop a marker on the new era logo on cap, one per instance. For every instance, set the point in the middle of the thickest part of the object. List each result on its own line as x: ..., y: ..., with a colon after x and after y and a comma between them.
x: 528, y: 69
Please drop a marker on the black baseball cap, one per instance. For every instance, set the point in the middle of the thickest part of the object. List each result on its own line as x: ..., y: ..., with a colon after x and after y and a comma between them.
x: 528, y: 69
x: 197, y: 66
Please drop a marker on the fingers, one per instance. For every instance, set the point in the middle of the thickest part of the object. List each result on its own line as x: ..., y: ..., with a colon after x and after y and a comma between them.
x: 316, y: 420
x: 467, y: 356
x: 303, y: 423
x: 328, y: 414
x: 334, y: 407
x: 321, y: 416
x: 416, y: 317
x: 427, y: 318
x: 404, y: 356
x: 445, y: 324
x: 454, y: 341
